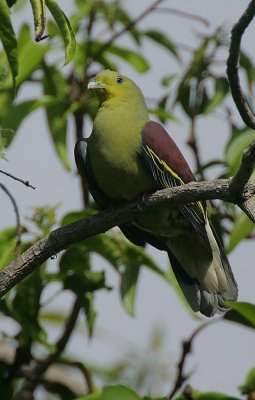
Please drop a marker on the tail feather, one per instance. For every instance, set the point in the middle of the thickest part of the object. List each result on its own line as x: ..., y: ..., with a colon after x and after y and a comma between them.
x: 232, y: 288
x: 203, y: 273
x: 197, y: 297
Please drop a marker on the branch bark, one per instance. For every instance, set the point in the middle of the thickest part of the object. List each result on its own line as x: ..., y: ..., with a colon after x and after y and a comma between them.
x: 64, y: 237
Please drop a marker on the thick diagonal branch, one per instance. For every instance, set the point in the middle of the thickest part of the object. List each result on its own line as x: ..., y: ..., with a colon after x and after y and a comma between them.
x: 65, y: 236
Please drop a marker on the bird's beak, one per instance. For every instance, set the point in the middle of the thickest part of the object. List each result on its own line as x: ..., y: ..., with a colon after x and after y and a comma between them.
x: 96, y: 85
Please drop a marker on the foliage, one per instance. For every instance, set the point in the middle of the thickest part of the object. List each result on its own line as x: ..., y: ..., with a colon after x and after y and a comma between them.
x: 198, y: 91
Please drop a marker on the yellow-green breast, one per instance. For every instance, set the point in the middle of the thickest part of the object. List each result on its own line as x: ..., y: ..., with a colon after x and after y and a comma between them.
x: 114, y: 148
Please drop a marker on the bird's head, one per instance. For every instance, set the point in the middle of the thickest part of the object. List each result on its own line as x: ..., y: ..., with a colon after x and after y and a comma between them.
x: 110, y: 85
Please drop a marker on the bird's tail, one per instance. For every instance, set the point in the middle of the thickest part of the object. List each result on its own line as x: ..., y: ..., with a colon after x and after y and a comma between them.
x: 204, y: 274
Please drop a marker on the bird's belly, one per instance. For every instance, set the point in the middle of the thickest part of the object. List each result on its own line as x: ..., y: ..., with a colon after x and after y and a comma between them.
x: 164, y: 222
x: 123, y: 179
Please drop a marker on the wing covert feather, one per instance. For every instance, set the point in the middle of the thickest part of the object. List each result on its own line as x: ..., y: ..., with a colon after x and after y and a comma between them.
x: 169, y: 168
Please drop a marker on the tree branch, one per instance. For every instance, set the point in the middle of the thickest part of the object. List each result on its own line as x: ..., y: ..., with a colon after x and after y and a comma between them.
x: 183, y: 14
x: 65, y: 236
x: 232, y: 66
x: 181, y: 377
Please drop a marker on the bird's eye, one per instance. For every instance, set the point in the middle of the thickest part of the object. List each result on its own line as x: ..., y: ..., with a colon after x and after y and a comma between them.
x: 119, y: 80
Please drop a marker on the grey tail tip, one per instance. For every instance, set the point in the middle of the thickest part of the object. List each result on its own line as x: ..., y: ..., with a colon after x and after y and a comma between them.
x: 199, y: 299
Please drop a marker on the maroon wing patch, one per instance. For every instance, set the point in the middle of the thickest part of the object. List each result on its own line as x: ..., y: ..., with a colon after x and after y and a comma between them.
x: 169, y: 168
x: 156, y: 138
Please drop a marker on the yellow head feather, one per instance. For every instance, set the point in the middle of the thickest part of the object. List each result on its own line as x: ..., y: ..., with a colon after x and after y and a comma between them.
x: 111, y: 85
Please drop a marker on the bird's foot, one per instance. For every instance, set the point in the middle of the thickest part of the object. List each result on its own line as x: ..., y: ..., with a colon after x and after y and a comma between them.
x: 141, y: 201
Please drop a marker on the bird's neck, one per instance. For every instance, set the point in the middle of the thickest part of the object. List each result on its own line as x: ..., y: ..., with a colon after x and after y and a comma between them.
x: 115, y: 146
x: 116, y: 123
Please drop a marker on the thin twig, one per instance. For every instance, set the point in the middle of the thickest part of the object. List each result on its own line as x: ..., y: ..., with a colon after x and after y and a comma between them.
x: 84, y: 370
x: 116, y: 35
x: 181, y: 377
x: 232, y: 66
x: 26, y: 183
x: 183, y: 14
x: 16, y: 211
x: 62, y: 342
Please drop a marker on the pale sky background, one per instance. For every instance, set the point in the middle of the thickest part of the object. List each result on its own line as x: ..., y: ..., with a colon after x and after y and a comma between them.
x: 223, y: 354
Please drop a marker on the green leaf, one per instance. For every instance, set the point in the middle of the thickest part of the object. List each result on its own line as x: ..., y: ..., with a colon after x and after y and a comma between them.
x: 104, y: 60
x: 142, y: 258
x: 7, y: 234
x: 77, y: 215
x: 241, y: 312
x: 117, y: 392
x: 128, y: 286
x: 207, y: 396
x: 7, y: 250
x: 39, y: 12
x: 55, y: 85
x: 18, y: 112
x: 153, y: 398
x: 242, y: 228
x: 24, y: 307
x: 8, y: 245
x: 214, y: 396
x: 106, y: 247
x: 127, y: 21
x: 162, y: 114
x: 44, y: 218
x: 247, y: 65
x: 65, y: 29
x: 249, y: 385
x: 93, y: 396
x: 240, y: 140
x: 162, y: 40
x: 90, y: 312
x: 26, y: 47
x: 167, y: 80
x: 8, y: 39
x: 133, y: 258
x: 76, y: 274
x: 133, y: 58
x: 221, y: 90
